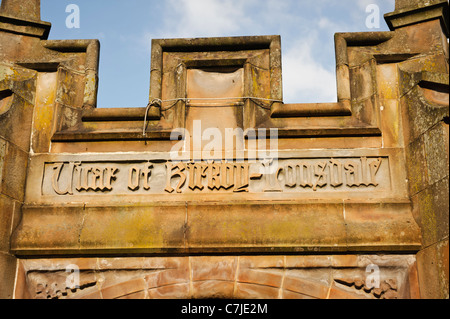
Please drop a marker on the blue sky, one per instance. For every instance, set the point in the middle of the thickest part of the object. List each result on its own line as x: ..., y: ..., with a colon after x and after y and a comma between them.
x: 125, y: 30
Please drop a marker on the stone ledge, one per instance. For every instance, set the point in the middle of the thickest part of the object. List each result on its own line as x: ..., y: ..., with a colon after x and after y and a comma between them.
x: 413, y: 15
x: 314, y: 109
x: 212, y: 228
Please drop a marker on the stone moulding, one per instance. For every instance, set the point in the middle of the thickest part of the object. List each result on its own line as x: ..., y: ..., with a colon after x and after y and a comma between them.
x: 34, y: 28
x: 114, y: 114
x: 233, y: 228
x: 409, y: 16
x: 229, y: 277
x: 92, y: 50
x: 312, y: 109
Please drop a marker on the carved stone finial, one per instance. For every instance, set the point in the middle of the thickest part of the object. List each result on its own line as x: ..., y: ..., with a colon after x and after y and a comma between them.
x: 410, y: 12
x: 23, y: 17
x: 22, y: 9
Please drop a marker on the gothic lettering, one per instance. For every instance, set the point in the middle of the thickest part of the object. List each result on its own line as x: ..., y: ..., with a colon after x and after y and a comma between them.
x: 374, y: 167
x: 56, y: 176
x: 227, y: 175
x: 285, y: 175
x: 272, y: 172
x: 321, y: 175
x: 213, y: 176
x: 352, y: 173
x: 133, y: 178
x: 96, y: 183
x: 196, y: 173
x: 305, y: 172
x: 82, y: 178
x: 242, y: 179
x: 173, y: 171
x: 85, y: 178
x: 135, y: 175
x: 110, y: 175
x: 335, y: 173
x: 290, y: 176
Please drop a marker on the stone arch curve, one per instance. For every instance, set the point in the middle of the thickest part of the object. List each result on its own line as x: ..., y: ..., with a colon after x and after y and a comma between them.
x: 217, y: 277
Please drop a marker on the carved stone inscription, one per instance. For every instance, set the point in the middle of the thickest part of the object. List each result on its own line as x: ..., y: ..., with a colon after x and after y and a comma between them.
x: 165, y: 177
x: 217, y: 176
x: 83, y: 178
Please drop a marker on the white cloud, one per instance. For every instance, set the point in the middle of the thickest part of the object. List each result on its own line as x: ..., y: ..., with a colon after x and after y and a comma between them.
x: 362, y: 4
x: 304, y: 79
x: 204, y: 18
x: 331, y: 27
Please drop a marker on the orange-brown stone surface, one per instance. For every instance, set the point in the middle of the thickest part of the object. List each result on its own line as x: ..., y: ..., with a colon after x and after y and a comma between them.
x: 356, y: 185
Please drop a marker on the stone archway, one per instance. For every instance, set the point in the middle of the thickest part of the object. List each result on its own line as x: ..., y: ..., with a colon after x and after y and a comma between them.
x: 227, y: 277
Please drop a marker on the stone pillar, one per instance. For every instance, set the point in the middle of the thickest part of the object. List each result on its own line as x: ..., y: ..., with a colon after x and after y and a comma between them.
x: 26, y: 10
x: 18, y: 18
x: 424, y: 101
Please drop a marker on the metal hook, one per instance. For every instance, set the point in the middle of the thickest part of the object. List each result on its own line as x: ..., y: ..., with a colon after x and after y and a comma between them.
x: 156, y: 102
